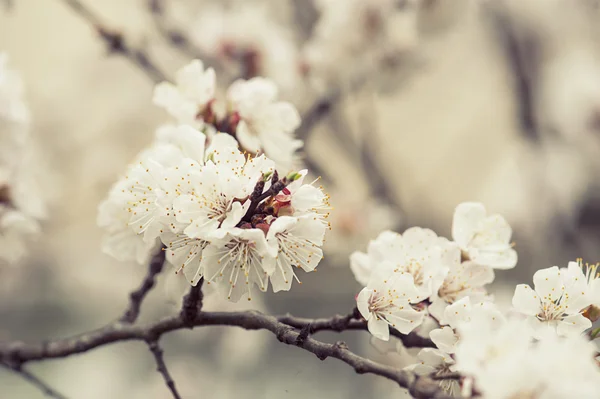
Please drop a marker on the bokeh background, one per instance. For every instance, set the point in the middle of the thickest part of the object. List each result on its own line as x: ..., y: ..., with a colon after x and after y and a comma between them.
x: 442, y: 101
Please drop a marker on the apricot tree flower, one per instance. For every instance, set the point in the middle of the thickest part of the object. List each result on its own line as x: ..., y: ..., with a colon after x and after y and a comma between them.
x: 555, y: 304
x: 592, y: 277
x: 419, y: 252
x: 464, y: 280
x: 463, y: 311
x: 22, y: 201
x: 297, y: 242
x: 265, y: 124
x: 188, y: 98
x: 386, y: 302
x: 504, y: 362
x: 437, y: 363
x: 483, y: 239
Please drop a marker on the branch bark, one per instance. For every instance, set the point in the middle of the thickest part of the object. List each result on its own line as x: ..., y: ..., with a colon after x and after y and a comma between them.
x: 34, y: 380
x: 137, y: 297
x: 116, y: 43
x: 161, y: 367
x: 20, y: 353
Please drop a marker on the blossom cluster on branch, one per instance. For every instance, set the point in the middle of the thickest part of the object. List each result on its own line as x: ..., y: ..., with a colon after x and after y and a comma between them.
x: 417, y: 276
x: 21, y: 206
x: 224, y: 214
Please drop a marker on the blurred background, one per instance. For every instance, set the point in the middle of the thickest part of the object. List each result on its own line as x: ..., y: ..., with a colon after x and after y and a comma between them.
x: 431, y: 103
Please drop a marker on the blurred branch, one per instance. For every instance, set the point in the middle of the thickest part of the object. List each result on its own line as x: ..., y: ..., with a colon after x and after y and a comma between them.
x: 137, y: 297
x: 176, y: 38
x: 116, y: 43
x: 520, y: 53
x: 161, y: 367
x: 19, y: 352
x: 26, y: 375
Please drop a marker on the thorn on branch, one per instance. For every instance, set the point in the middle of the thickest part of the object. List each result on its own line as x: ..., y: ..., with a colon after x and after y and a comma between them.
x: 161, y: 367
x: 192, y: 304
x: 137, y: 297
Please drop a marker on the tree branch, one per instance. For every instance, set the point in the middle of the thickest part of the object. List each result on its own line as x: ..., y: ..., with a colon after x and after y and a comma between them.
x: 192, y: 303
x: 19, y: 352
x: 116, y: 43
x: 31, y: 378
x: 137, y: 297
x: 176, y: 38
x: 161, y: 367
x: 354, y: 322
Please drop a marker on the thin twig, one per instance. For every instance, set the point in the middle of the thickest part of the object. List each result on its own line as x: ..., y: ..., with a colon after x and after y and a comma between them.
x: 446, y: 376
x: 137, y: 297
x: 258, y: 196
x: 41, y: 385
x: 420, y: 387
x: 161, y: 367
x: 116, y: 42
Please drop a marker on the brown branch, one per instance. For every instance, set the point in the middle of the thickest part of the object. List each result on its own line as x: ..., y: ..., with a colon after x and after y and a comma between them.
x: 19, y: 352
x: 258, y: 196
x: 116, y: 43
x: 31, y: 378
x: 161, y: 367
x: 192, y: 303
x: 137, y: 297
x: 352, y: 321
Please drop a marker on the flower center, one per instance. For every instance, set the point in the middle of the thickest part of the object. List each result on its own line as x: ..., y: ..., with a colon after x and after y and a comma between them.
x: 552, y: 311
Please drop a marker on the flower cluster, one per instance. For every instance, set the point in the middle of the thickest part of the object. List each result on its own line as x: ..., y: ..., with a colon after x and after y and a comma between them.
x: 379, y: 29
x: 249, y: 40
x: 418, y: 276
x: 439, y: 271
x: 21, y: 207
x: 501, y: 361
x: 222, y: 214
x: 250, y: 112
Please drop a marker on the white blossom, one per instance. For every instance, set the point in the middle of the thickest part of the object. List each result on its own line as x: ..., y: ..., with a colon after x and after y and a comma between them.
x: 346, y: 28
x: 297, y: 241
x: 463, y: 311
x: 214, y: 201
x: 265, y: 124
x: 555, y: 304
x: 236, y: 262
x: 22, y: 199
x: 505, y: 363
x: 16, y: 229
x: 12, y: 104
x: 483, y: 239
x: 188, y: 98
x: 386, y: 302
x: 250, y: 41
x: 419, y: 252
x: 436, y: 362
x: 592, y: 277
x: 466, y: 279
